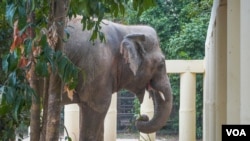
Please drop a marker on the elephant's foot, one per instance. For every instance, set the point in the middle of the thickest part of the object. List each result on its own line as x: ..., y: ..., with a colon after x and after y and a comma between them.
x: 91, y: 124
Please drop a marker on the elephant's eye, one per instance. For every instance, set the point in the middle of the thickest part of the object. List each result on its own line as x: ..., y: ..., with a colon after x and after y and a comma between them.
x: 162, y: 64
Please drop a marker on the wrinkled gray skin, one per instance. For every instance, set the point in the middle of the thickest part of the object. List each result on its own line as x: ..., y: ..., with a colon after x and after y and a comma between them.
x: 129, y: 59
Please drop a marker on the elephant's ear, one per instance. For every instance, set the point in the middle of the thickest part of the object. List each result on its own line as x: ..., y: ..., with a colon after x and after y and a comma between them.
x: 132, y: 50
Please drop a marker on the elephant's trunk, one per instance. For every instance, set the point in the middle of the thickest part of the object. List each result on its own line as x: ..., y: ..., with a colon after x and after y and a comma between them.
x: 162, y: 110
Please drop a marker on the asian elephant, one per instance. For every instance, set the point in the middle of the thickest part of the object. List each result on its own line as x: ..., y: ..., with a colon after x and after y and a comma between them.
x: 129, y: 58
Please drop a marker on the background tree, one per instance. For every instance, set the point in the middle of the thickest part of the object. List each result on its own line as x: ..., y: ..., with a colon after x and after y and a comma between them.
x: 181, y: 26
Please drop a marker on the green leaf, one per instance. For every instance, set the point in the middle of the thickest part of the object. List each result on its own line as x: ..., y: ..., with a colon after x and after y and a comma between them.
x: 12, y: 79
x: 27, y: 46
x: 29, y: 92
x: 41, y: 68
x: 10, y: 12
x: 102, y: 37
x: 13, y: 61
x: 93, y: 36
x: 16, y: 108
x: 9, y: 95
x: 68, y: 138
x: 66, y: 70
x: 4, y: 109
x: 62, y: 67
x: 5, y: 63
x: 73, y: 79
x: 68, y: 73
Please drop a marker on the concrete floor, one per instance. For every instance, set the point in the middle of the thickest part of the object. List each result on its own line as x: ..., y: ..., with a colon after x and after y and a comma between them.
x: 27, y: 139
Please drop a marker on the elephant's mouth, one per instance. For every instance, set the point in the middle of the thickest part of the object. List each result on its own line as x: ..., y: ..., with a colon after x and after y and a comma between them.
x: 149, y: 88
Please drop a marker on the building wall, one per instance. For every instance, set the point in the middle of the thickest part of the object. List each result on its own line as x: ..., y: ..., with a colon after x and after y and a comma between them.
x: 227, y: 77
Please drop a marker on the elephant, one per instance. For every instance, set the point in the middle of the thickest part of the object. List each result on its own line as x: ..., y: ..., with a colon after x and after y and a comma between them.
x: 130, y: 58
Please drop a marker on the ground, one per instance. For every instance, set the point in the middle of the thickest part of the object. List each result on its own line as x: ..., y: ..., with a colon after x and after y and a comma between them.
x: 135, y: 137
x: 169, y: 138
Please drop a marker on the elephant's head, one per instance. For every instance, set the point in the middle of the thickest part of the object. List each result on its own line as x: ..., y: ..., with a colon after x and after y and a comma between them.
x: 146, y: 70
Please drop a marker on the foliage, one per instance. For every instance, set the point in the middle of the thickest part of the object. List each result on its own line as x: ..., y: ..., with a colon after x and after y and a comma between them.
x: 136, y: 108
x: 92, y: 9
x: 8, y: 113
x: 5, y: 38
x: 30, y: 46
x: 181, y: 26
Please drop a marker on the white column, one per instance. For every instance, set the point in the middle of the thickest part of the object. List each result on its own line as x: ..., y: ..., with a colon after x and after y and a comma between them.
x: 244, y: 61
x: 71, y: 121
x: 147, y: 108
x: 209, y: 78
x: 187, y: 118
x: 220, y: 69
x: 110, y: 122
x: 209, y: 91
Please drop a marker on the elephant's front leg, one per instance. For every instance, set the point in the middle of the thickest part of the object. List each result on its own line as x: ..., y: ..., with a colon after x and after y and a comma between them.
x: 91, y: 123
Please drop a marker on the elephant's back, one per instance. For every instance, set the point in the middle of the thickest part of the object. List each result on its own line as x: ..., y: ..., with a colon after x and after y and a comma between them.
x: 94, y: 58
x: 79, y: 40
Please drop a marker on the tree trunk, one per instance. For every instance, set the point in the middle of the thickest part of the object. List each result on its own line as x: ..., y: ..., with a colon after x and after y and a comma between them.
x: 34, y: 83
x: 53, y: 113
x: 45, y: 108
x: 35, y: 109
x: 58, y: 11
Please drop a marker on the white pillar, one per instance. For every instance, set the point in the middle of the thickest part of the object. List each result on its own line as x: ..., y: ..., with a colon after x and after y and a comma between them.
x: 209, y: 78
x: 187, y: 118
x: 209, y: 91
x: 220, y: 69
x: 71, y: 121
x: 244, y: 61
x: 110, y: 122
x: 147, y: 108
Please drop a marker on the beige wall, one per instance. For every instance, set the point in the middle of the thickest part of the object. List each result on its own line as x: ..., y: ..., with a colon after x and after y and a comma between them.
x: 227, y: 77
